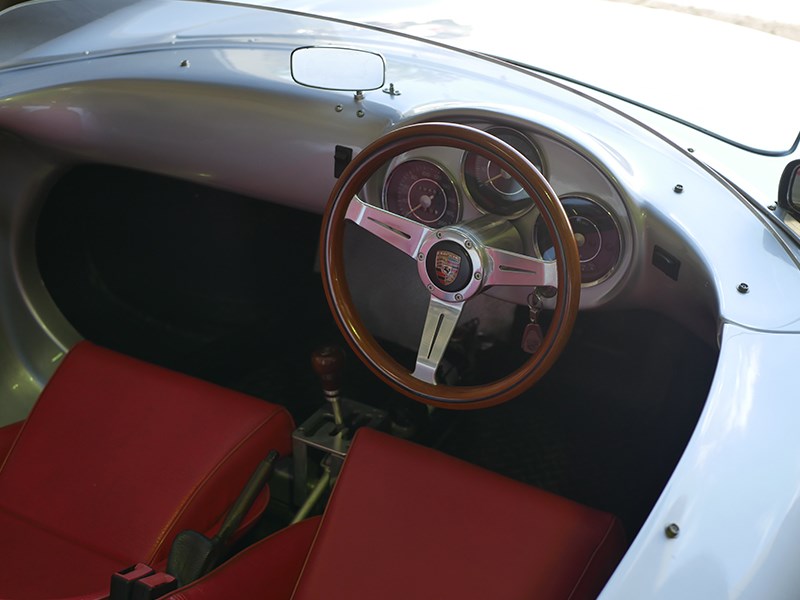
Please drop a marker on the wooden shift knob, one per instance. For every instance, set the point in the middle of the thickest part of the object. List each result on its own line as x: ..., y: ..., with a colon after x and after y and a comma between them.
x: 328, y: 364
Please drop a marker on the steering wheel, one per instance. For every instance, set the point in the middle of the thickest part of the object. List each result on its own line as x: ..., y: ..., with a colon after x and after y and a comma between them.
x: 454, y: 264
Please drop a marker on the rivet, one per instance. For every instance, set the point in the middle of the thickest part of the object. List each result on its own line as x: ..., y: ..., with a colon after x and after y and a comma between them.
x: 339, y: 108
x: 672, y: 531
x: 184, y: 63
x: 743, y: 288
x: 678, y: 189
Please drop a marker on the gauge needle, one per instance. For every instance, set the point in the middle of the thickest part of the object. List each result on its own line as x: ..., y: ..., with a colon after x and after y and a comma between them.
x: 500, y: 175
x: 424, y: 202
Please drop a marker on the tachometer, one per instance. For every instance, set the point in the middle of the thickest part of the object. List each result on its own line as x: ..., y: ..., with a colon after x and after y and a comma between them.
x: 597, y: 235
x: 423, y: 191
x: 490, y: 187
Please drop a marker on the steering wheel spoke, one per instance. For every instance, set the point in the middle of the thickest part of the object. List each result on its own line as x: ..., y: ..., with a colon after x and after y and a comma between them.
x: 439, y: 326
x: 404, y: 234
x: 511, y: 268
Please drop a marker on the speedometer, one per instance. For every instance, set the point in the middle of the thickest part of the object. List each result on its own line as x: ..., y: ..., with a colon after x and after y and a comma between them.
x: 490, y: 187
x: 421, y: 190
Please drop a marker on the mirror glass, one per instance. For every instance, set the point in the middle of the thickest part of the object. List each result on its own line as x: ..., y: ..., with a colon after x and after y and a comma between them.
x: 341, y: 69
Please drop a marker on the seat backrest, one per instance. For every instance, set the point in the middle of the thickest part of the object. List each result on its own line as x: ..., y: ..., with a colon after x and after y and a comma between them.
x: 406, y: 521
x: 119, y: 455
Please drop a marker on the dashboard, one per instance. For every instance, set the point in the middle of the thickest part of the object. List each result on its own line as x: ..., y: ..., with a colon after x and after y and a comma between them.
x: 441, y: 187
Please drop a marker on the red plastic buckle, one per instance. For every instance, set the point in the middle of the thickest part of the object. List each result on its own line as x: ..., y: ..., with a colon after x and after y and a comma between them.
x: 154, y: 586
x: 141, y: 582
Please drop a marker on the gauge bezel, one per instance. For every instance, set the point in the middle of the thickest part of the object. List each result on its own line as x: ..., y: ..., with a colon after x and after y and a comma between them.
x: 449, y: 177
x: 514, y: 214
x: 617, y: 227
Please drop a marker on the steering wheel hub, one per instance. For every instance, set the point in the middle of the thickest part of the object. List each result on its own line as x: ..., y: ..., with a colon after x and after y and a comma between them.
x: 450, y: 265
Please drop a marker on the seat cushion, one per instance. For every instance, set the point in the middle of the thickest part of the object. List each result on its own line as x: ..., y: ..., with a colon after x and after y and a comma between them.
x: 405, y: 522
x: 118, y: 455
x: 37, y: 564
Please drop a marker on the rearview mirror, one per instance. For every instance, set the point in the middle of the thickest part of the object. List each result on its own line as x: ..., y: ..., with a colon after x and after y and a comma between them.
x: 340, y: 69
x: 789, y: 188
x: 794, y: 190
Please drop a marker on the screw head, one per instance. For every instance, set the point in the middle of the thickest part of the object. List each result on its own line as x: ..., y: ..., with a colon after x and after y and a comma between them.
x: 678, y: 189
x: 743, y: 288
x: 478, y: 275
x: 672, y: 531
x: 772, y: 207
x: 420, y: 256
x: 439, y: 234
x: 185, y: 63
x: 360, y: 113
x: 430, y: 286
x: 458, y: 297
x: 339, y: 108
x: 467, y: 244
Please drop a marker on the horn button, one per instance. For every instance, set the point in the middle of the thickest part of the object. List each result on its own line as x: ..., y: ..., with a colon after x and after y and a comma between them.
x: 450, y: 265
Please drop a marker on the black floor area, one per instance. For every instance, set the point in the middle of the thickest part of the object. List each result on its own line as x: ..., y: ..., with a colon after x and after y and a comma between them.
x: 223, y: 287
x: 608, y: 424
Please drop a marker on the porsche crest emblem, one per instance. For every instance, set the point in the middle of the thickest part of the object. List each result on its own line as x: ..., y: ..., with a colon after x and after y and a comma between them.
x: 447, y: 266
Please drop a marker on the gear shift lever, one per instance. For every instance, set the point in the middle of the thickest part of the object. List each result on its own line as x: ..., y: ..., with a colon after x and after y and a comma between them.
x: 328, y: 363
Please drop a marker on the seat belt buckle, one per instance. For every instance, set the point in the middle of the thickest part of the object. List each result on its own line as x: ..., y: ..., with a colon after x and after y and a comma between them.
x: 141, y: 582
x: 154, y: 586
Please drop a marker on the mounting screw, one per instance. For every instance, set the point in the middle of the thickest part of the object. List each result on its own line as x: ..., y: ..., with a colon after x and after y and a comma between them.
x: 690, y: 149
x: 478, y: 275
x: 743, y: 288
x: 678, y: 189
x: 458, y: 297
x: 185, y: 63
x: 439, y: 234
x: 430, y: 286
x: 391, y: 90
x: 360, y: 113
x: 420, y: 256
x: 467, y: 244
x: 339, y: 108
x: 672, y: 531
x: 772, y: 207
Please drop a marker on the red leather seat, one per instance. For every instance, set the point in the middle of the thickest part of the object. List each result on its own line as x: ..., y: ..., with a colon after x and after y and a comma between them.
x: 409, y: 522
x: 116, y: 457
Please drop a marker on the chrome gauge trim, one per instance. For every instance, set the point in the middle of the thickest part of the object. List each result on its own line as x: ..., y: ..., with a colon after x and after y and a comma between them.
x: 591, y: 222
x: 450, y: 213
x: 526, y: 146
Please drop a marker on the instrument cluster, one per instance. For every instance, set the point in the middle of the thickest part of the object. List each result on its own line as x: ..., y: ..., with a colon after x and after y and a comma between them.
x: 443, y: 188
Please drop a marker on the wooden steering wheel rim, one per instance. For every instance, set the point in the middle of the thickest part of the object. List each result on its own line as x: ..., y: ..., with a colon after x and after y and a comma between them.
x: 462, y: 137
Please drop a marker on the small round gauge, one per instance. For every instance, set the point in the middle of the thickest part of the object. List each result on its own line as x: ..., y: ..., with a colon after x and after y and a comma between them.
x: 423, y: 191
x: 596, y: 233
x: 491, y: 188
